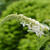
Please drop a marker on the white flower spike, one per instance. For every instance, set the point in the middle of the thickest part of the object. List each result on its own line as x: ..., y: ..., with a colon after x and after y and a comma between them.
x: 33, y: 25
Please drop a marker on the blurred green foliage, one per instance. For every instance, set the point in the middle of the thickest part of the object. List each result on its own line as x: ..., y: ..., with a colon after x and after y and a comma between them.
x: 39, y: 10
x: 13, y: 36
x: 4, y: 3
x: 32, y: 42
x: 47, y: 46
x: 10, y: 34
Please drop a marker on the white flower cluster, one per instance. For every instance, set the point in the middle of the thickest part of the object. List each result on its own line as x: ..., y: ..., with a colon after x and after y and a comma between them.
x: 33, y: 25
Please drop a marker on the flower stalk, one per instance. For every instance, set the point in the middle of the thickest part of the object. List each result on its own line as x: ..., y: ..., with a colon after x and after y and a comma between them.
x: 32, y: 24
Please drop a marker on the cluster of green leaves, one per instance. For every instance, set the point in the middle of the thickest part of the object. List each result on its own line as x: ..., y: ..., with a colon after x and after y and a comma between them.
x: 14, y: 37
x: 32, y: 42
x: 47, y: 46
x: 10, y: 34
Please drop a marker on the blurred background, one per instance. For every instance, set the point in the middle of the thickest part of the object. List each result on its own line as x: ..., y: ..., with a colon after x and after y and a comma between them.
x: 4, y: 3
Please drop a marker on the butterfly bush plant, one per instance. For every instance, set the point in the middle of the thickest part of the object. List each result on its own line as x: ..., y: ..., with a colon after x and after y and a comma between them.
x: 17, y: 32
